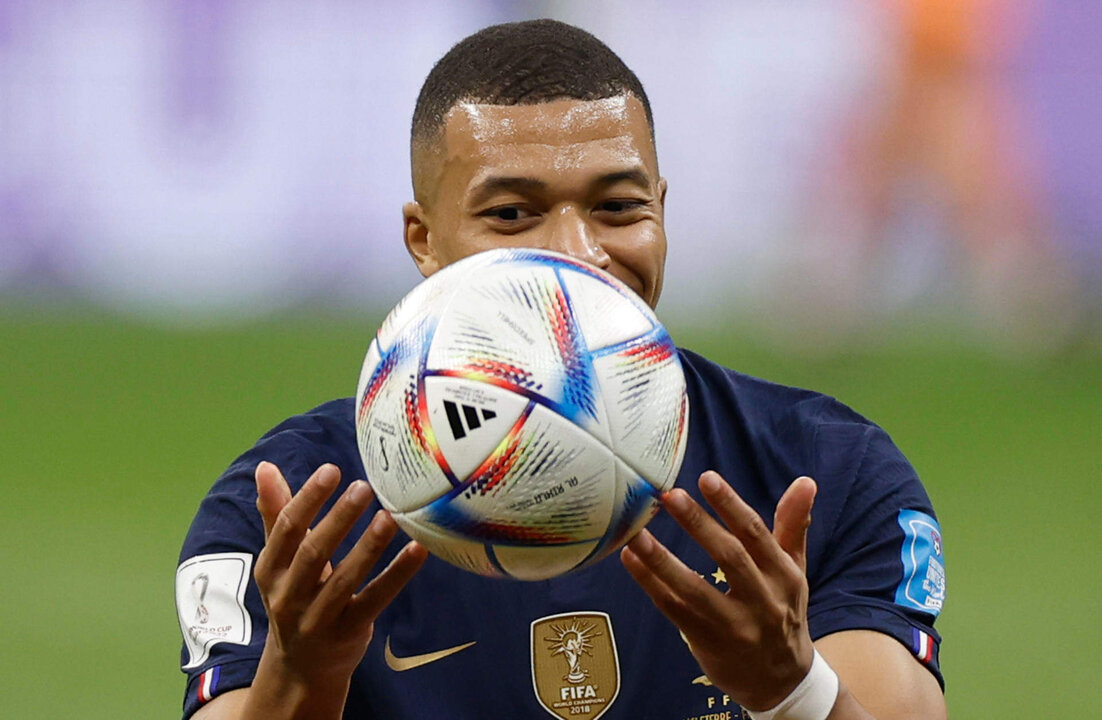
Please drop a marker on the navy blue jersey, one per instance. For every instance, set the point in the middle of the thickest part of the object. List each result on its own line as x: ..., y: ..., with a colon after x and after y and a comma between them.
x: 589, y: 643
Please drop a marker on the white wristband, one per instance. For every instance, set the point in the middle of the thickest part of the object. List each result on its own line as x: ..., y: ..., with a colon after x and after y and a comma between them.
x: 813, y: 698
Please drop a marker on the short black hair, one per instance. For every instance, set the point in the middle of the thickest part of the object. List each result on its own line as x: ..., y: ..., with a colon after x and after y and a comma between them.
x: 523, y: 63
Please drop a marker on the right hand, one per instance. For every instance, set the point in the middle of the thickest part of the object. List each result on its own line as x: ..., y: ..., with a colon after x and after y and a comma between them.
x: 319, y: 626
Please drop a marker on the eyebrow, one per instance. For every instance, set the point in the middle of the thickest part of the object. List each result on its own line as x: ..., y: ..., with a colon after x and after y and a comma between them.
x: 495, y: 184
x: 634, y: 176
x: 528, y: 185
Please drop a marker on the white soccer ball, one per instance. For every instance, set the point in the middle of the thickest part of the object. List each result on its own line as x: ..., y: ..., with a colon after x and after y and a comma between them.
x: 520, y: 413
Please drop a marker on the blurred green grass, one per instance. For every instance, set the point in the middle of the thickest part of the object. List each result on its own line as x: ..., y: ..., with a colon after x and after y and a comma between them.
x: 111, y: 431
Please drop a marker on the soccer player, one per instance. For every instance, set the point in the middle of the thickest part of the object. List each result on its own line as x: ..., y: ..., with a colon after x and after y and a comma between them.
x: 536, y: 134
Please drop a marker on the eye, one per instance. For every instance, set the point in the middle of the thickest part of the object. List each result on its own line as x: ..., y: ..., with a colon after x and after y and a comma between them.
x: 620, y: 211
x: 507, y: 213
x: 618, y: 206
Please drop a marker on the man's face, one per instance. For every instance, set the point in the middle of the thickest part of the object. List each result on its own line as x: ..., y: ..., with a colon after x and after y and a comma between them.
x: 577, y: 177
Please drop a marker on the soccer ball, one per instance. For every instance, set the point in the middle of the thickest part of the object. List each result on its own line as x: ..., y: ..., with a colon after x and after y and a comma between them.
x: 520, y: 413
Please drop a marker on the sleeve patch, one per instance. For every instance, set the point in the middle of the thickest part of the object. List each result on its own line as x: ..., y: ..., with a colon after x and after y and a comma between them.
x: 923, y: 585
x: 210, y: 602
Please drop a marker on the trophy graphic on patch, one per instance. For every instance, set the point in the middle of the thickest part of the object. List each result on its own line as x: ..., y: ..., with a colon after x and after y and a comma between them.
x: 584, y: 642
x: 199, y: 590
x: 572, y: 641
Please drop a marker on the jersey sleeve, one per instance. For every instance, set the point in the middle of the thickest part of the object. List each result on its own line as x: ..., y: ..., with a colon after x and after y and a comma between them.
x: 883, y: 565
x: 221, y: 615
x: 220, y: 611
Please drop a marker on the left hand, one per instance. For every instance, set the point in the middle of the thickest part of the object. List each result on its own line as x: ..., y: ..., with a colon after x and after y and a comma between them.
x: 752, y: 641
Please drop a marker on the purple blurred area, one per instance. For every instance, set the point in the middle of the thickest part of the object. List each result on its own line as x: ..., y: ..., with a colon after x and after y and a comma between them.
x: 221, y: 158
x: 1061, y: 78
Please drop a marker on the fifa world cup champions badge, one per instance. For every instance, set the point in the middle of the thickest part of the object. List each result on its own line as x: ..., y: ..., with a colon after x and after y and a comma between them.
x: 575, y: 668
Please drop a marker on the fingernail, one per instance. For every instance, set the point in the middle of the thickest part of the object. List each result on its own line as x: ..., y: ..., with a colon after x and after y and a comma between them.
x: 379, y: 519
x: 358, y: 491
x: 644, y: 543
x: 678, y: 500
x: 329, y: 474
x: 710, y: 482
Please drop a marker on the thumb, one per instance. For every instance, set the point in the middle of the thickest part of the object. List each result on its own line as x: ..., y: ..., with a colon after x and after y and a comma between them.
x: 793, y: 518
x: 272, y: 494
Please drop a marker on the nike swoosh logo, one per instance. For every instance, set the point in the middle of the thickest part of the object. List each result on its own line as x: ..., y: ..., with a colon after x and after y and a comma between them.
x: 401, y: 664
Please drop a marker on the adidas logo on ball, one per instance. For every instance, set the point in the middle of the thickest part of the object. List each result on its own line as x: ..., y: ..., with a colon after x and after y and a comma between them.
x: 470, y: 414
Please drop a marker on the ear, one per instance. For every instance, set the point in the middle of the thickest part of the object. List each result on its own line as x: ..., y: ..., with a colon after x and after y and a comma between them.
x: 662, y: 187
x: 417, y: 238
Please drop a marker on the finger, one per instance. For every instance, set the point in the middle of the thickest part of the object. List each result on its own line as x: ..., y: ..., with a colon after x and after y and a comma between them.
x: 351, y: 572
x: 744, y: 577
x: 676, y: 590
x: 793, y: 518
x: 294, y: 518
x: 314, y: 552
x: 741, y: 519
x: 667, y: 602
x: 272, y: 493
x: 381, y: 591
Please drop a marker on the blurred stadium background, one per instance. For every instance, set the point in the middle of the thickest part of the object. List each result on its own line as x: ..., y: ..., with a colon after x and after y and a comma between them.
x: 898, y: 203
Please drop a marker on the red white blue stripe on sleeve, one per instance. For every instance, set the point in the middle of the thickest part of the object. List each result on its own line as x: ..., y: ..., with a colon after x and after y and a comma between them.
x: 923, y: 646
x: 208, y: 683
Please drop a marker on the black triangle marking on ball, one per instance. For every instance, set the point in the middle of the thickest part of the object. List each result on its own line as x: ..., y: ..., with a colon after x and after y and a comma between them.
x: 488, y: 414
x: 471, y: 415
x: 458, y: 431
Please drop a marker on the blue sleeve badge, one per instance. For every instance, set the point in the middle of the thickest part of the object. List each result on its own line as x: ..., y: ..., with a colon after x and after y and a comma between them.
x: 923, y: 586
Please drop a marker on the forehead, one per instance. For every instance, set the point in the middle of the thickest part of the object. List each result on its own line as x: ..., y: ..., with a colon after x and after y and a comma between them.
x: 555, y: 135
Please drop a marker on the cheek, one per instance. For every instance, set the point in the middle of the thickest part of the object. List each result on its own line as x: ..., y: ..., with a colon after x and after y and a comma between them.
x: 638, y: 259
x: 462, y: 239
x: 642, y: 251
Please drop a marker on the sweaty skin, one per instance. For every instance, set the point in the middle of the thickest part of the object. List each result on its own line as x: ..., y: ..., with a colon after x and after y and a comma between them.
x: 577, y: 177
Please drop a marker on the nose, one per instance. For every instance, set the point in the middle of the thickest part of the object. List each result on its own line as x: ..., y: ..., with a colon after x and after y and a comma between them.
x: 571, y: 234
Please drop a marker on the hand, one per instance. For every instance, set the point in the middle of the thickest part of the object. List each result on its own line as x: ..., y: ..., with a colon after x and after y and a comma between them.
x: 752, y: 641
x: 319, y: 626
